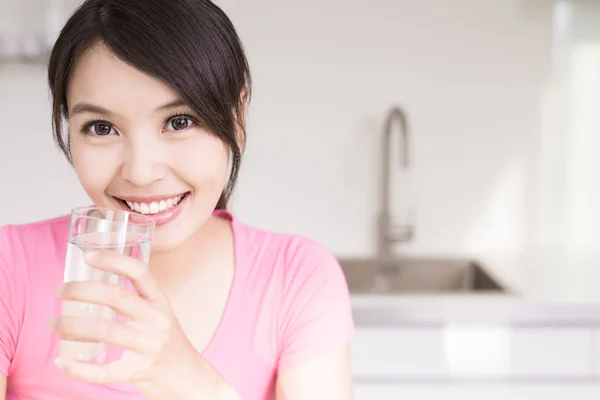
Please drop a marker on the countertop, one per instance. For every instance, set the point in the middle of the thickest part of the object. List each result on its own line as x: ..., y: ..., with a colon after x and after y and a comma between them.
x: 542, y: 290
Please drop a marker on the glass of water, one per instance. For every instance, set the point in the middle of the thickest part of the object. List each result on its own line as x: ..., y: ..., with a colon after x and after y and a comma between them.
x: 95, y: 228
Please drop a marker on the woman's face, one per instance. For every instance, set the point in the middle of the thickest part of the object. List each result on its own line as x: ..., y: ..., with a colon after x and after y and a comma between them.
x: 135, y: 145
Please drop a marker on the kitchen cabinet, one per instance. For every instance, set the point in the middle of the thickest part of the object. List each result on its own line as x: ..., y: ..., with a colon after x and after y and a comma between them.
x: 551, y: 352
x: 398, y: 352
x: 476, y: 352
x: 475, y: 391
x: 595, y: 355
x: 468, y: 361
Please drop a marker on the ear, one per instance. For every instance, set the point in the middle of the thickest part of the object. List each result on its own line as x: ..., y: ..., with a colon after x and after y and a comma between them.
x: 245, y: 96
x: 241, y: 118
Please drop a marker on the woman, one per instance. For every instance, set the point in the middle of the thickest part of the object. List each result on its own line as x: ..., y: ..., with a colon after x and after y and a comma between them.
x: 149, y: 101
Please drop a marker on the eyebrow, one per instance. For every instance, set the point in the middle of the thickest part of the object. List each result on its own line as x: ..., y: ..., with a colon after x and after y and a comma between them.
x: 82, y: 108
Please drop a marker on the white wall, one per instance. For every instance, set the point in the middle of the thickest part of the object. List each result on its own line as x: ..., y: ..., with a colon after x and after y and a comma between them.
x: 570, y: 186
x: 470, y: 74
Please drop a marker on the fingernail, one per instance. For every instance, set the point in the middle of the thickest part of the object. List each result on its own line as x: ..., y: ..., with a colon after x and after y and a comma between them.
x: 91, y: 256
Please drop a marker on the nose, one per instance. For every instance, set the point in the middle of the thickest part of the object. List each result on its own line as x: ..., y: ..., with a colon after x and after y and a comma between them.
x: 143, y: 163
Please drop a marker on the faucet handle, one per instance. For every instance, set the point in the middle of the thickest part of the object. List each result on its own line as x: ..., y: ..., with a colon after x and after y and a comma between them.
x: 404, y: 232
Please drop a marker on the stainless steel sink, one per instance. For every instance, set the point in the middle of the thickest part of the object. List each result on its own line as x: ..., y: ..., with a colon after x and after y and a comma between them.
x: 417, y: 276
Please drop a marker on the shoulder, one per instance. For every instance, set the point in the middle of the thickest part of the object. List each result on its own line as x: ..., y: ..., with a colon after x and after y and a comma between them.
x: 30, y: 265
x: 52, y: 225
x: 314, y: 314
x: 307, y: 275
x: 309, y: 259
x: 295, y: 257
x: 22, y: 241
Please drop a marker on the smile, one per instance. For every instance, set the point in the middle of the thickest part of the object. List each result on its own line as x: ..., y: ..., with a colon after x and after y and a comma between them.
x: 160, y: 209
x: 154, y: 207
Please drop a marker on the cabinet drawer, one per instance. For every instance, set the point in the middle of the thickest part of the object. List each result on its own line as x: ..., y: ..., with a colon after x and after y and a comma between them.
x: 596, y: 355
x: 475, y: 391
x: 398, y: 353
x: 544, y: 352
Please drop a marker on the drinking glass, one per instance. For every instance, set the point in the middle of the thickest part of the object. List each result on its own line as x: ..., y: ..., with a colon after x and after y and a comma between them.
x: 96, y: 228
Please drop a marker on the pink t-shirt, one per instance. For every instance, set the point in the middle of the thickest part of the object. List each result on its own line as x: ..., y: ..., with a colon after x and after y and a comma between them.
x: 289, y: 303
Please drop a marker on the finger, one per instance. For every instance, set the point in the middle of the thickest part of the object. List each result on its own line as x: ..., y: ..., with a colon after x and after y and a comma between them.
x: 115, y: 372
x: 95, y: 330
x: 129, y: 267
x: 115, y: 297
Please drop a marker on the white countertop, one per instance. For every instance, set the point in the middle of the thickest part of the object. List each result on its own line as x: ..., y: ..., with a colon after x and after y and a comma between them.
x: 543, y: 290
x: 548, y: 277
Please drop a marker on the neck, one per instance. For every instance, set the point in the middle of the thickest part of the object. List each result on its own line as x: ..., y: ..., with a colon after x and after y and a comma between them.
x: 172, y: 268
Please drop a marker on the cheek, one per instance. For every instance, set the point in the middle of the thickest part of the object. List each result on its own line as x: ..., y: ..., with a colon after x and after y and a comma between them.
x: 202, y: 163
x: 95, y: 168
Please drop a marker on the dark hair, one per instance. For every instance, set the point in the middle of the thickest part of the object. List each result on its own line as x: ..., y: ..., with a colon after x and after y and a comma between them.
x: 191, y: 45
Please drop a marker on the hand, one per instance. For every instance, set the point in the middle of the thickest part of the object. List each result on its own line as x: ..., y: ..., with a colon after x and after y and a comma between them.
x: 157, y: 357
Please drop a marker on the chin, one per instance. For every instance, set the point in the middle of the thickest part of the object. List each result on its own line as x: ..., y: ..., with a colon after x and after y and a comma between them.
x: 165, y: 240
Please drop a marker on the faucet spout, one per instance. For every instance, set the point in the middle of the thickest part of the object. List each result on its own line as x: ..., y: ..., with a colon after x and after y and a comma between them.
x: 386, y: 233
x: 398, y: 115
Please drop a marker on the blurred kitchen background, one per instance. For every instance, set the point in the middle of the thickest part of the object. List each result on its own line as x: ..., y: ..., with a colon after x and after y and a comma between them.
x: 471, y: 247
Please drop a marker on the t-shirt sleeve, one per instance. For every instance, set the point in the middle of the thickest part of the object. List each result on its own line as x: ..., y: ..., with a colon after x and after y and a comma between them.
x: 10, y: 302
x: 316, y: 312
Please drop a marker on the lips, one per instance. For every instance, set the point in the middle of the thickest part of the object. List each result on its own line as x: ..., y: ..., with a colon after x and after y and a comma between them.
x: 161, y: 209
x: 154, y: 207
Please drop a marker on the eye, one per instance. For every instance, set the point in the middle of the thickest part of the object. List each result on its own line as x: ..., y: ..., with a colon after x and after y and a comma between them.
x: 179, y: 123
x: 99, y: 128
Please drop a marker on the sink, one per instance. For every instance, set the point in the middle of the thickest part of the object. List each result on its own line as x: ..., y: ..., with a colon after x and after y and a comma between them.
x: 417, y: 276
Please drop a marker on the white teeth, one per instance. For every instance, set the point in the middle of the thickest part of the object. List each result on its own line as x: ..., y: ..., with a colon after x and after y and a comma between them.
x: 154, y: 207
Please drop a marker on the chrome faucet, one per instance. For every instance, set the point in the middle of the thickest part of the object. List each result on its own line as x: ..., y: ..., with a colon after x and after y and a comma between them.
x: 387, y: 232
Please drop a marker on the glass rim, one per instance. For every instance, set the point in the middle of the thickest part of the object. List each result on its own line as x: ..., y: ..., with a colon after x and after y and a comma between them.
x: 139, y: 220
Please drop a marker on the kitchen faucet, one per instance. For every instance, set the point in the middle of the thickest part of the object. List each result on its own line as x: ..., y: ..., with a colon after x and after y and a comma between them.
x: 387, y: 232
